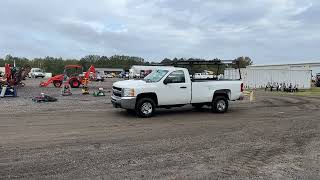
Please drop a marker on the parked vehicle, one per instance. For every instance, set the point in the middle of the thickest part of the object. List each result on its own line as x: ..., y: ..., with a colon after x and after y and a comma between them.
x: 100, y: 76
x: 36, y: 72
x: 121, y: 75
x: 173, y: 87
x: 137, y: 75
x: 109, y: 76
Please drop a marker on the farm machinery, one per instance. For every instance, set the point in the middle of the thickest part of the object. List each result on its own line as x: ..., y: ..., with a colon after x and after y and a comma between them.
x: 12, y: 78
x: 73, y: 75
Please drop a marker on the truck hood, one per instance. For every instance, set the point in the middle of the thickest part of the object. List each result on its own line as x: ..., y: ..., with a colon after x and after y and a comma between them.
x: 130, y: 84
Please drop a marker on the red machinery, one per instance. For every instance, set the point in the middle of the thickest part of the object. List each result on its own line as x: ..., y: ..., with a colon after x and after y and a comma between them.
x: 72, y: 73
x: 13, y: 76
x: 8, y: 72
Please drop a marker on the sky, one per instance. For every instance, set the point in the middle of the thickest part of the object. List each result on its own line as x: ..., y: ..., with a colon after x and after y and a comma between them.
x: 268, y: 31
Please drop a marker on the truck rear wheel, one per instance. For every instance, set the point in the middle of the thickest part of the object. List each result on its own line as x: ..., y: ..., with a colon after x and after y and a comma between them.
x: 74, y: 83
x: 220, y: 104
x: 145, y: 108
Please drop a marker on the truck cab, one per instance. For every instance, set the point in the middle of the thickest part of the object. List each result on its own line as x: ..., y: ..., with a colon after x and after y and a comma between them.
x: 173, y: 87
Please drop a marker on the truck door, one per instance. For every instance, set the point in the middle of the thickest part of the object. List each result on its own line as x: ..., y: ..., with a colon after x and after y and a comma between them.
x: 175, y: 90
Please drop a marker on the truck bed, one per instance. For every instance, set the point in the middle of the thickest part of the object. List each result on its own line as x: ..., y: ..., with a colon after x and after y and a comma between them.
x: 213, y: 79
x: 203, y: 90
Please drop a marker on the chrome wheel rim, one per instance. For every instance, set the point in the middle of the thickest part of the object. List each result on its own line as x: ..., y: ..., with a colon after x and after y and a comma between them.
x: 146, y: 108
x: 221, y: 105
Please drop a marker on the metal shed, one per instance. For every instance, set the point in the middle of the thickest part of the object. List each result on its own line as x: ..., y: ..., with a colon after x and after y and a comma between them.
x: 110, y: 70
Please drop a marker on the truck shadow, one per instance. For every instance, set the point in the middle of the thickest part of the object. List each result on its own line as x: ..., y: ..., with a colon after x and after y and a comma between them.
x: 189, y: 111
x: 177, y: 112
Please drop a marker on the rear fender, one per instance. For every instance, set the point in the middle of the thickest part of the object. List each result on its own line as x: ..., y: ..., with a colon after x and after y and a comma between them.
x: 222, y: 92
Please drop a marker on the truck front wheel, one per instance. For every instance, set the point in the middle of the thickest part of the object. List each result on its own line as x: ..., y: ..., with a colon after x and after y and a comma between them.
x: 220, y: 104
x: 145, y: 107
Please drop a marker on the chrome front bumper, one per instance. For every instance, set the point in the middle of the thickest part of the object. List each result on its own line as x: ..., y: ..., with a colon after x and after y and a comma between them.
x: 123, y: 102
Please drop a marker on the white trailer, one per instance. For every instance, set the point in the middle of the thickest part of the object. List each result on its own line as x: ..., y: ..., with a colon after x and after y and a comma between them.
x: 260, y: 77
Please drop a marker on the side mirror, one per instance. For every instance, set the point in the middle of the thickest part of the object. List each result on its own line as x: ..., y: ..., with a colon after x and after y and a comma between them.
x: 167, y: 81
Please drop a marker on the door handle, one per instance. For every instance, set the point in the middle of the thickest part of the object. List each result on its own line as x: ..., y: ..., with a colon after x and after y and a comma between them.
x: 183, y: 87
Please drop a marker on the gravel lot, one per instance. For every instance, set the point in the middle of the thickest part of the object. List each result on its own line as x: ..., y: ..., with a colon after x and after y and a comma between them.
x: 83, y: 137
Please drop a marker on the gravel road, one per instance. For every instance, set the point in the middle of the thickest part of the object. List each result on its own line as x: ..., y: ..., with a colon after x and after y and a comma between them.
x: 83, y: 137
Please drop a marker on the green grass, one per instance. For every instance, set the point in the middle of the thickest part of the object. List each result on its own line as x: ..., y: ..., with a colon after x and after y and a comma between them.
x: 315, y: 91
x: 309, y: 92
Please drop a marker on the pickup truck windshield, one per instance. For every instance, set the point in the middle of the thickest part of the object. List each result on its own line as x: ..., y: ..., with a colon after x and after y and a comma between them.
x: 156, y: 75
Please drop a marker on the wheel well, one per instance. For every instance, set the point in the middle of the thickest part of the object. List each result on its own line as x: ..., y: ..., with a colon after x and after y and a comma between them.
x: 153, y: 96
x: 222, y: 92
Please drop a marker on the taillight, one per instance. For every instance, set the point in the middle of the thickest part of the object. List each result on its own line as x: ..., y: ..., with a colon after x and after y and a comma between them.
x: 242, y: 87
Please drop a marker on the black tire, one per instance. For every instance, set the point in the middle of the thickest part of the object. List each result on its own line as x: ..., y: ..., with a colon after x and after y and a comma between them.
x: 198, y: 106
x: 57, y: 84
x: 143, y: 108
x: 220, y: 104
x: 74, y: 83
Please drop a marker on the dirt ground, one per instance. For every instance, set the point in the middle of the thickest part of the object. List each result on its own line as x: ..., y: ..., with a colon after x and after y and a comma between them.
x: 84, y: 137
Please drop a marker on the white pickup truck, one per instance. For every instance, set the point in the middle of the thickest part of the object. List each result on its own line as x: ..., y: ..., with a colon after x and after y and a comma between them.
x: 173, y: 87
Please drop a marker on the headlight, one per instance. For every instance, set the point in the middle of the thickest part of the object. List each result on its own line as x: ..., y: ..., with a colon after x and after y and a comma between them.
x: 128, y: 92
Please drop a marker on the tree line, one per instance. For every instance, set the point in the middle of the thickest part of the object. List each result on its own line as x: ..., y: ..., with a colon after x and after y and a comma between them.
x: 56, y: 65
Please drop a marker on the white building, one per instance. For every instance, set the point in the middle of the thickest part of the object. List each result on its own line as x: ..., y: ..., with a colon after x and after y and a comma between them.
x: 259, y: 76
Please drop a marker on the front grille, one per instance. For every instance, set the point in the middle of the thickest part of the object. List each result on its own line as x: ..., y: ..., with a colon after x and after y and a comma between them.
x: 116, y: 88
x: 116, y: 91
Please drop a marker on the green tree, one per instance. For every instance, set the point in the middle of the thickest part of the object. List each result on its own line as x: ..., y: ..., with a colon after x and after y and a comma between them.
x: 166, y: 61
x: 244, y: 62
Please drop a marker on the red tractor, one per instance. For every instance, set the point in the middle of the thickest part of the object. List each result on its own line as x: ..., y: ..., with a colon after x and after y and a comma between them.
x: 73, y: 75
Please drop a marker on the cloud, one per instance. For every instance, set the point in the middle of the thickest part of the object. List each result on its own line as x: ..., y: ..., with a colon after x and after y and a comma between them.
x: 269, y: 31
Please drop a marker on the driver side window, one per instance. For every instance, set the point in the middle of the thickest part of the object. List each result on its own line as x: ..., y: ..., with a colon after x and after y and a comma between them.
x: 176, y: 77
